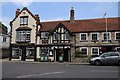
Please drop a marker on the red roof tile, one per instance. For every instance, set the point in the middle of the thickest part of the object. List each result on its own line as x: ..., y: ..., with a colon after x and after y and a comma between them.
x: 83, y: 25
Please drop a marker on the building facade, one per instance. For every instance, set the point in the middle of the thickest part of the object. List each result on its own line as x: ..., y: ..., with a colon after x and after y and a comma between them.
x: 4, y: 41
x: 32, y: 40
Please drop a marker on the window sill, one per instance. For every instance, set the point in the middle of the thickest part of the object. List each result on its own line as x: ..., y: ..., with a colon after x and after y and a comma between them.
x: 106, y: 41
x: 23, y: 41
x: 23, y: 24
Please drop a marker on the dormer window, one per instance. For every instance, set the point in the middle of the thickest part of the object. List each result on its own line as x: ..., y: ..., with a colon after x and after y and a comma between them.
x: 24, y: 20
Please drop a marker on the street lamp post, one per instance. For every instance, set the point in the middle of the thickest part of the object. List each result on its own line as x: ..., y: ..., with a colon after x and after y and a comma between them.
x: 106, y: 27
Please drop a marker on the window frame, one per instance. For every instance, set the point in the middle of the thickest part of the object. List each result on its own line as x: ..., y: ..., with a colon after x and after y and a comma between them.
x: 109, y: 37
x: 97, y: 36
x: 22, y: 36
x: 28, y: 54
x: 92, y: 51
x: 4, y: 39
x: 84, y: 47
x: 44, y: 35
x: 23, y: 21
x: 86, y: 36
x: 116, y: 36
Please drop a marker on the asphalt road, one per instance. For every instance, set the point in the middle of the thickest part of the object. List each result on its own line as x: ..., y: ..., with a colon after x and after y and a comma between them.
x: 56, y: 70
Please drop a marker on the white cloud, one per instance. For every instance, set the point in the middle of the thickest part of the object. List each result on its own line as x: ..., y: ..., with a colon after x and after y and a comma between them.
x: 56, y: 19
x: 23, y: 3
x: 6, y: 22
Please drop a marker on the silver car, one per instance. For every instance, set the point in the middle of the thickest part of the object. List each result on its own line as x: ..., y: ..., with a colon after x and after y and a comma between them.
x: 106, y: 58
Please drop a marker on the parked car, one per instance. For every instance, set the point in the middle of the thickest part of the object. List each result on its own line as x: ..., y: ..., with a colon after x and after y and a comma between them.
x: 106, y: 58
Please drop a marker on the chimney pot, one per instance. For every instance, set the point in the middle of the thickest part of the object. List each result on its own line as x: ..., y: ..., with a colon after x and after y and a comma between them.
x: 37, y: 16
x: 72, y: 8
x: 17, y: 12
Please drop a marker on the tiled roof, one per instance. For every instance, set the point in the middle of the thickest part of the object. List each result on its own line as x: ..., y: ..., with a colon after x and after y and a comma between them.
x: 88, y: 25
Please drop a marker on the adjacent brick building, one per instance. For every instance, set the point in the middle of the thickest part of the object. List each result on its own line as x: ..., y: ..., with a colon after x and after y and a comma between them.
x: 34, y: 40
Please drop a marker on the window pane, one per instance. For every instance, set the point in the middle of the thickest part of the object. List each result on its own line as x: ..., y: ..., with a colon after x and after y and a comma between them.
x: 117, y: 36
x: 21, y: 20
x: 25, y: 20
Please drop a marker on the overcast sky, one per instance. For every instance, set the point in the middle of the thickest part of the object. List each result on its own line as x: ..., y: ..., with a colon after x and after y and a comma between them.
x: 49, y: 11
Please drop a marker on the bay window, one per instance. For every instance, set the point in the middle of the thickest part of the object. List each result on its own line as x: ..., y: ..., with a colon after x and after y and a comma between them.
x: 23, y: 36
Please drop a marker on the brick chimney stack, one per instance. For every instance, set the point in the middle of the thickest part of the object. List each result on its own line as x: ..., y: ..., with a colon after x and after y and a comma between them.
x: 72, y: 15
x: 17, y: 12
x: 37, y: 17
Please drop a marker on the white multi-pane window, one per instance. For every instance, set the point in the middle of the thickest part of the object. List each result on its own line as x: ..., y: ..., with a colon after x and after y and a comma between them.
x: 117, y: 35
x: 106, y: 36
x: 23, y: 36
x: 83, y: 36
x: 84, y: 50
x: 94, y: 36
x: 95, y: 50
x: 24, y: 20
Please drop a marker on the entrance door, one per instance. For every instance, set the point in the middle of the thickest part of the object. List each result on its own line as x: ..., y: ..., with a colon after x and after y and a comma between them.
x: 62, y: 52
x: 59, y: 52
x: 66, y: 59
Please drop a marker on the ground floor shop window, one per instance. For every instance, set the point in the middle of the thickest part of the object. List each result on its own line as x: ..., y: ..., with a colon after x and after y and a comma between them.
x: 30, y: 52
x: 95, y: 50
x: 16, y: 53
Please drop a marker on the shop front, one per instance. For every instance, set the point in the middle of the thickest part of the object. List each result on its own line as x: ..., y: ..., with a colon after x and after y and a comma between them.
x: 55, y: 54
x: 23, y: 52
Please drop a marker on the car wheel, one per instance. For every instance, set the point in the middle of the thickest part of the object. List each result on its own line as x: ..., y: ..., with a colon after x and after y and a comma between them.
x: 97, y: 63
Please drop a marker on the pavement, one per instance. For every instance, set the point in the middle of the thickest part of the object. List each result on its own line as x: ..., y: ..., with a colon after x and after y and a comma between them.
x: 33, y: 62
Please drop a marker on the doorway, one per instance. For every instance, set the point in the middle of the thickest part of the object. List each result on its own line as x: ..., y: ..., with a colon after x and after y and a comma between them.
x: 64, y: 53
